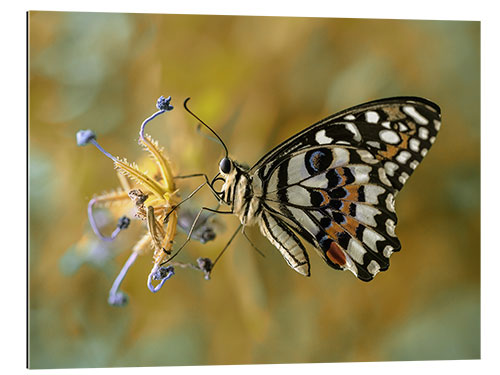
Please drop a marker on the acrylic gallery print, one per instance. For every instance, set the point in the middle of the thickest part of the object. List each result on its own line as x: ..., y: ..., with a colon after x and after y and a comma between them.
x: 200, y: 180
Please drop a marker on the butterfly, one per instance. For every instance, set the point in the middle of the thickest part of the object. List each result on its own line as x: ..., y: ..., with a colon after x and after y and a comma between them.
x: 334, y: 184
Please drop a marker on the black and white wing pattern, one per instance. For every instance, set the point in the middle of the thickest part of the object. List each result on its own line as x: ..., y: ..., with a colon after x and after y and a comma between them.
x: 335, y: 183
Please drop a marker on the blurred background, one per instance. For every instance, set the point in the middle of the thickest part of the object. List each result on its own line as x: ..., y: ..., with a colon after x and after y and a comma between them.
x: 257, y: 81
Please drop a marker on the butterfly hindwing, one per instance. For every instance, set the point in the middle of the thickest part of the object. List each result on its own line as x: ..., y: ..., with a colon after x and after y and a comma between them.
x: 335, y: 182
x: 289, y: 245
x: 342, y: 204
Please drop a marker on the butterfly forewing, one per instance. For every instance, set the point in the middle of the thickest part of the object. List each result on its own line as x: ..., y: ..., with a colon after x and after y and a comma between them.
x: 335, y: 182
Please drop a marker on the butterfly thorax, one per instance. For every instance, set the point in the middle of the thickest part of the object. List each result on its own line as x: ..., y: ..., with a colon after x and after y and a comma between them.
x: 243, y: 193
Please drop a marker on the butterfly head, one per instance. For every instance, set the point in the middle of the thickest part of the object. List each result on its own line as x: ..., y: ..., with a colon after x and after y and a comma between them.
x: 232, y: 175
x: 227, y: 172
x: 225, y: 166
x: 228, y: 169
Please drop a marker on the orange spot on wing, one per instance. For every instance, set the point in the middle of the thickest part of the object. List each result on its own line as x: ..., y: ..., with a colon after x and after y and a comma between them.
x: 343, y: 177
x: 352, y: 193
x: 393, y: 113
x: 390, y: 153
x: 326, y: 198
x: 345, y: 208
x: 336, y: 254
x: 350, y: 226
x: 393, y: 150
x: 333, y: 230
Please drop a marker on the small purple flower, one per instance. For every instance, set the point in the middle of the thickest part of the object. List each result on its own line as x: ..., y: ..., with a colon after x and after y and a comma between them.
x: 159, y: 273
x: 163, y: 272
x: 123, y: 223
x: 118, y: 299
x: 163, y: 104
x: 83, y: 137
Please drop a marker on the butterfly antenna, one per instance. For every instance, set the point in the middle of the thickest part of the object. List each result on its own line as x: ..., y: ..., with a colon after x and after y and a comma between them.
x: 208, y: 127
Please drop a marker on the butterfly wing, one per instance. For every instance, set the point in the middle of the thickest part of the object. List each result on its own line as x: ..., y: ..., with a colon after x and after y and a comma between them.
x: 285, y: 240
x: 335, y: 182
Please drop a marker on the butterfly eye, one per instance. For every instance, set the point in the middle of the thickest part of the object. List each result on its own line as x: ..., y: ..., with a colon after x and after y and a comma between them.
x: 225, y: 166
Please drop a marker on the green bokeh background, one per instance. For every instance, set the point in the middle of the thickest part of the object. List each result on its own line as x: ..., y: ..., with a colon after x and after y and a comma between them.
x: 257, y: 81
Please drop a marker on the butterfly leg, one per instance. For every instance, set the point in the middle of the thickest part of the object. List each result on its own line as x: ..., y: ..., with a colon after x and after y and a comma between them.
x: 207, y: 182
x: 192, y: 229
x: 184, y: 200
x: 205, y: 265
x: 251, y: 243
x: 205, y: 229
x: 227, y: 245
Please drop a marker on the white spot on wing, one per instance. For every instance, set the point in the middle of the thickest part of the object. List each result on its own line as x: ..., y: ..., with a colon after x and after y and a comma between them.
x: 383, y: 177
x: 390, y: 227
x: 414, y: 164
x: 354, y: 130
x: 372, y: 192
x: 372, y: 117
x: 373, y: 267
x: 298, y: 195
x: 389, y: 202
x: 412, y: 112
x: 403, y: 157
x: 343, y: 143
x: 340, y: 157
x: 304, y: 220
x: 366, y: 214
x: 402, y: 127
x: 349, y: 265
x: 403, y: 177
x: 296, y: 169
x: 423, y: 152
x: 319, y: 181
x: 423, y: 133
x: 370, y: 238
x: 389, y: 136
x: 356, y: 250
x: 350, y: 117
x: 414, y: 144
x: 437, y: 124
x: 373, y: 144
x: 386, y: 124
x: 296, y: 172
x: 367, y: 156
x: 322, y: 138
x: 388, y: 250
x: 360, y: 173
x: 390, y: 167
